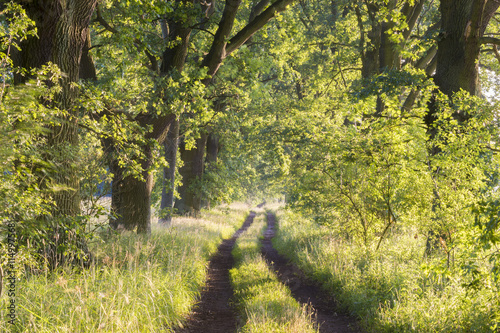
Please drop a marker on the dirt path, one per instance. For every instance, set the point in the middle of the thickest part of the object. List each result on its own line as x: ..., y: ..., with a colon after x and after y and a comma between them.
x: 304, y: 291
x: 213, y: 314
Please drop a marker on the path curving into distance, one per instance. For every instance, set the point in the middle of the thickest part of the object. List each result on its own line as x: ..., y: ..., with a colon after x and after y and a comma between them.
x: 303, y: 290
x: 213, y: 313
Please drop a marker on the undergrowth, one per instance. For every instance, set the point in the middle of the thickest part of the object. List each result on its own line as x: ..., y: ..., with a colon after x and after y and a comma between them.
x: 265, y: 304
x: 135, y: 284
x: 394, y: 289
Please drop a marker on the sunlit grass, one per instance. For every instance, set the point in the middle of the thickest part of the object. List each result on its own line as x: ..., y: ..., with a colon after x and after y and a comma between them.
x: 389, y: 290
x: 264, y: 303
x: 135, y: 284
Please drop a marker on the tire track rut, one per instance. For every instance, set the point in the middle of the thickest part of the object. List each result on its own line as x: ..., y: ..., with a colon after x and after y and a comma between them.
x: 213, y: 313
x: 303, y: 290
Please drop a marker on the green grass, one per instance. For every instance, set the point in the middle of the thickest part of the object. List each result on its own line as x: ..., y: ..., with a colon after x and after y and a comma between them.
x: 135, y: 285
x: 390, y: 290
x: 265, y: 305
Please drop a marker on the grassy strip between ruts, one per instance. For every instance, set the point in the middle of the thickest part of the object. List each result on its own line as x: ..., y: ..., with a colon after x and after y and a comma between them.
x: 265, y: 305
x: 136, y: 285
x: 390, y: 290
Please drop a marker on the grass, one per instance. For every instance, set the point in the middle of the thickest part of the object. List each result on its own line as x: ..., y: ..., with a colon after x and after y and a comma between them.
x: 265, y: 305
x: 391, y: 290
x: 135, y: 285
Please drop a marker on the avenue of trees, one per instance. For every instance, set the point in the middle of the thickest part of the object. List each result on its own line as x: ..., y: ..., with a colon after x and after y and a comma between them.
x: 370, y: 116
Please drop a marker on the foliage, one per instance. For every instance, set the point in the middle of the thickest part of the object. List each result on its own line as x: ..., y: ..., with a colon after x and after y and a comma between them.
x: 23, y: 123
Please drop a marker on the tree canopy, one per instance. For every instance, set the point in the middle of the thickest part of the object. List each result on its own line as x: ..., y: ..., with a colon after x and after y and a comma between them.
x: 367, y: 115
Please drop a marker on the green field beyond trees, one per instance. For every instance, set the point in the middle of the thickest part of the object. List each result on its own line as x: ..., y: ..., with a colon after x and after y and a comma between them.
x: 128, y: 130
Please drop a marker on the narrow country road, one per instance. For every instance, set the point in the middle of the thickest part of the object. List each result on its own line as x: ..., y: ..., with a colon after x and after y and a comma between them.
x: 303, y: 290
x: 213, y: 313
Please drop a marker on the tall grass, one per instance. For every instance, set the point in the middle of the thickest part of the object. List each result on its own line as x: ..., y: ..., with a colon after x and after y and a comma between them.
x: 393, y: 289
x: 136, y: 284
x: 264, y: 303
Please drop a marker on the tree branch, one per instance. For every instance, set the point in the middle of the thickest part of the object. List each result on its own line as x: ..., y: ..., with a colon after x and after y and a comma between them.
x: 424, y: 61
x: 103, y: 22
x: 257, y: 9
x: 496, y: 53
x: 489, y: 40
x: 218, y: 49
x: 257, y: 23
x: 412, y: 13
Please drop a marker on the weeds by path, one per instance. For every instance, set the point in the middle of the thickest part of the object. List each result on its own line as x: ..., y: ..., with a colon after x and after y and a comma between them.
x: 388, y: 289
x: 135, y: 285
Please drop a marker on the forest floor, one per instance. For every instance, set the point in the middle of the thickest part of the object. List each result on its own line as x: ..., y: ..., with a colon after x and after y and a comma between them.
x: 214, y: 313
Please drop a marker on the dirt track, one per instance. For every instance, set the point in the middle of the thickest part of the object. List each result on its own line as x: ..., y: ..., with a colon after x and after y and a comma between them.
x: 328, y: 319
x: 213, y: 313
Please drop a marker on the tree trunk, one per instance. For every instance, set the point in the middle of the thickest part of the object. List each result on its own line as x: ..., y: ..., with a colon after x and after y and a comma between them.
x: 135, y: 200
x: 62, y: 28
x: 62, y: 31
x: 192, y: 173
x: 132, y: 203
x: 463, y: 25
x: 457, y: 67
x: 212, y: 148
x: 70, y: 36
x: 167, y: 196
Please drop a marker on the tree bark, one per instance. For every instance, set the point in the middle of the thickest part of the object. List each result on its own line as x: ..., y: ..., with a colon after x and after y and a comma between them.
x: 463, y: 24
x: 213, y: 147
x: 62, y: 28
x: 135, y: 200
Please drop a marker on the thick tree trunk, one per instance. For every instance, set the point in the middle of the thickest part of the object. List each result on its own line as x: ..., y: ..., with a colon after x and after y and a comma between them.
x: 62, y: 30
x: 167, y: 196
x: 70, y: 36
x: 463, y: 26
x: 135, y: 202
